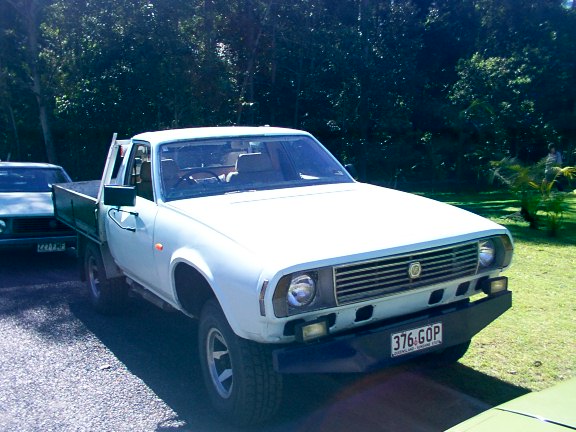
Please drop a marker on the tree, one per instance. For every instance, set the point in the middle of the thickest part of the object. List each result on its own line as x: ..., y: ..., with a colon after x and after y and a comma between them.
x: 28, y: 17
x: 131, y: 66
x: 431, y: 87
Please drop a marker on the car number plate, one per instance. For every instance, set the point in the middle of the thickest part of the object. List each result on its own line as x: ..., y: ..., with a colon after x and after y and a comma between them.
x: 416, y: 339
x: 51, y: 247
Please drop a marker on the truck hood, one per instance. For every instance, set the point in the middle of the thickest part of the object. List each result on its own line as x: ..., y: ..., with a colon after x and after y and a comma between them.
x: 26, y: 204
x: 319, y: 224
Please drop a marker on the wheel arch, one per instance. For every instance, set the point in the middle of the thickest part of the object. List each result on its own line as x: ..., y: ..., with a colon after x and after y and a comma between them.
x: 194, y: 280
x: 192, y: 288
x: 112, y: 270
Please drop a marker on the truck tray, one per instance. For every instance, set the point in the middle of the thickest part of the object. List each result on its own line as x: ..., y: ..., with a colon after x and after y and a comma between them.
x: 75, y: 204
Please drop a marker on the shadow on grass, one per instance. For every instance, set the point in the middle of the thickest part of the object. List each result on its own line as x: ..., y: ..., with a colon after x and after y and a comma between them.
x: 566, y: 236
x: 490, y: 390
x: 504, y: 208
x: 488, y: 204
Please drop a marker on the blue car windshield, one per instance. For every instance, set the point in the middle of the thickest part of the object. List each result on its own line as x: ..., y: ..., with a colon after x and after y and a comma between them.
x: 219, y: 166
x: 30, y: 179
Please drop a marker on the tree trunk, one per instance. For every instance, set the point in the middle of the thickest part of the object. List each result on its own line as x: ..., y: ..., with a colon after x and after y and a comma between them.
x: 365, y: 86
x: 7, y: 106
x: 15, y: 131
x: 248, y: 81
x: 30, y: 12
x: 299, y: 73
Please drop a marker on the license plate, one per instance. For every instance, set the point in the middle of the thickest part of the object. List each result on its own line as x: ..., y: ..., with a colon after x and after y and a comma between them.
x: 417, y: 339
x: 51, y: 247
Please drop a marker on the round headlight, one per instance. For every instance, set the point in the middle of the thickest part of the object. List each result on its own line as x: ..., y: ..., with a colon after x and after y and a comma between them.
x: 486, y: 252
x: 2, y: 226
x: 301, y: 291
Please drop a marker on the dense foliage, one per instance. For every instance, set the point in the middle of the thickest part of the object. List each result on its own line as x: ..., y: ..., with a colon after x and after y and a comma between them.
x: 417, y: 90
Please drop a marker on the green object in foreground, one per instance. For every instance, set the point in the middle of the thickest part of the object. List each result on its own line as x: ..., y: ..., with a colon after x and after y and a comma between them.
x: 551, y: 410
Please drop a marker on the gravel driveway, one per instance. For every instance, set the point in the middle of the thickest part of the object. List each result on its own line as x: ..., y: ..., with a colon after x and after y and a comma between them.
x: 65, y: 368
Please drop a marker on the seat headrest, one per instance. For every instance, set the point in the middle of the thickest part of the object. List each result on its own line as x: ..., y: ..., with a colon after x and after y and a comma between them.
x: 169, y: 168
x: 146, y: 171
x: 253, y: 162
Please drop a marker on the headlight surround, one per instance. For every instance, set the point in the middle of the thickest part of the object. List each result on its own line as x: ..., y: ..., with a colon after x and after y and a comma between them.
x: 495, y: 252
x: 304, y: 291
x: 3, y: 226
x: 301, y: 291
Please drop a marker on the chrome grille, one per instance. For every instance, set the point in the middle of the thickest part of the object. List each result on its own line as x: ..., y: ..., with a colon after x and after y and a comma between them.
x: 376, y: 278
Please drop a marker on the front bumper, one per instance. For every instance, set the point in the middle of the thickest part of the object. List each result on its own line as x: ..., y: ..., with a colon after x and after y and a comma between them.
x: 370, y: 349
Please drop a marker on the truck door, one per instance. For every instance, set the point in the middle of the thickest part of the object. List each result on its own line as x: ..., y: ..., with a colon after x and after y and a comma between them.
x: 130, y: 230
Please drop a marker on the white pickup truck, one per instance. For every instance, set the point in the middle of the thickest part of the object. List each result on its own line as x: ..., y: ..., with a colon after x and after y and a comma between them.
x: 290, y: 265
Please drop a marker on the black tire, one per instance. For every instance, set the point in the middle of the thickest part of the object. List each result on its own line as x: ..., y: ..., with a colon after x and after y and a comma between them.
x: 450, y: 355
x: 108, y: 296
x: 238, y: 374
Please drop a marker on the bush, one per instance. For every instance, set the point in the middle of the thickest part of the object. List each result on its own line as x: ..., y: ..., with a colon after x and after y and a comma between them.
x: 535, y: 192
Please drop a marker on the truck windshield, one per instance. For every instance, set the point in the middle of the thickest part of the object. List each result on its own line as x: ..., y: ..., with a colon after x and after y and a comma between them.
x: 30, y: 179
x: 218, y: 166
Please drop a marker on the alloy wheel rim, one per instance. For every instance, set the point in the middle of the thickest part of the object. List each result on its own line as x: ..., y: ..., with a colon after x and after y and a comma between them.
x: 219, y: 363
x: 93, y: 277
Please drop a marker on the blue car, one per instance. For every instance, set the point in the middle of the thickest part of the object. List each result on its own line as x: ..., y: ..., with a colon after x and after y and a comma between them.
x: 26, y: 209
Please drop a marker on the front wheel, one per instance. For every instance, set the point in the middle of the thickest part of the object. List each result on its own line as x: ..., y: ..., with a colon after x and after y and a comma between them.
x: 238, y: 373
x: 108, y: 296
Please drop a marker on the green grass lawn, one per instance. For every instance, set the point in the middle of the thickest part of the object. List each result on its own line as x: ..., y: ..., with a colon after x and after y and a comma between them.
x: 533, y: 345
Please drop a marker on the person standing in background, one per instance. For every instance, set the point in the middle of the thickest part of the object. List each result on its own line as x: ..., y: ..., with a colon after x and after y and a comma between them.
x: 553, y: 163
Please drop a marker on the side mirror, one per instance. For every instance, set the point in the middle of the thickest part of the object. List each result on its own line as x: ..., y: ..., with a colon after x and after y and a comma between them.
x: 351, y: 170
x: 119, y: 196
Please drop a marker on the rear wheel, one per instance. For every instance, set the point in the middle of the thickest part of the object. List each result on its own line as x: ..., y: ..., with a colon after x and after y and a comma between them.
x: 108, y: 296
x: 238, y: 373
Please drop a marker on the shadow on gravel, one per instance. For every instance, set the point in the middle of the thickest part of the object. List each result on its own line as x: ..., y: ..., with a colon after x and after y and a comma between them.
x: 22, y: 267
x: 44, y: 294
x: 156, y: 346
x: 160, y: 348
x: 36, y: 289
